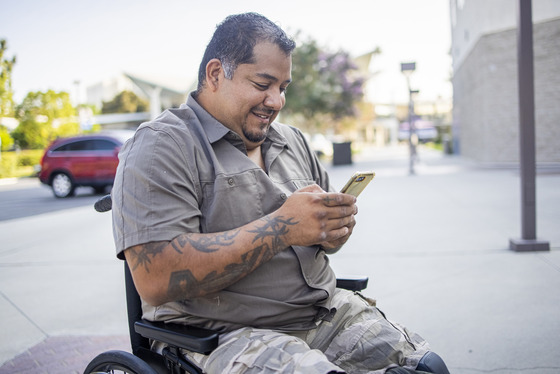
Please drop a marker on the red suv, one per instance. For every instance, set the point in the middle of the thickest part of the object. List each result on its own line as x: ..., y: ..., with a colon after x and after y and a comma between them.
x: 86, y: 160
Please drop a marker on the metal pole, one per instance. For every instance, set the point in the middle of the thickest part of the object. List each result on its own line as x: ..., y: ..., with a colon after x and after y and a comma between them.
x: 528, y: 241
x: 407, y: 68
x: 410, y: 129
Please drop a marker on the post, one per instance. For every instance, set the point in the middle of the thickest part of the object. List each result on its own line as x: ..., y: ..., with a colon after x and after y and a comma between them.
x: 155, y: 101
x: 411, y: 149
x: 407, y: 68
x: 527, y: 163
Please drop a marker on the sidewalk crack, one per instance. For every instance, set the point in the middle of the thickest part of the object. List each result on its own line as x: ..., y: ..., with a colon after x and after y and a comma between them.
x: 547, y: 261
x: 24, y: 314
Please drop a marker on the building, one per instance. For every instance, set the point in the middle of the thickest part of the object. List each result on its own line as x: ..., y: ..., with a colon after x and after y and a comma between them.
x: 159, y: 97
x: 485, y: 89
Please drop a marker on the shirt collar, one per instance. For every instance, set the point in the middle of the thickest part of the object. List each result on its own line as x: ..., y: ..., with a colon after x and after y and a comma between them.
x: 216, y: 131
x: 213, y: 128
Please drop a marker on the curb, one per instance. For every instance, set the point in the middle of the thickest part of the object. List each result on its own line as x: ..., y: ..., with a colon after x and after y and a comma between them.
x: 8, y: 181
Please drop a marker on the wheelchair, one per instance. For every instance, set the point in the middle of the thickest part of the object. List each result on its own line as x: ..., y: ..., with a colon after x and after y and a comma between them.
x: 142, y: 360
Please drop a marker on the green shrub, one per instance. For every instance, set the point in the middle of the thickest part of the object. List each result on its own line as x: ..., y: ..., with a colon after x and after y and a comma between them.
x: 8, y: 164
x: 30, y: 157
x: 18, y: 164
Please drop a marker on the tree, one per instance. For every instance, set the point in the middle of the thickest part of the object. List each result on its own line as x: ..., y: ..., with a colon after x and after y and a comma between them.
x: 6, y: 141
x: 125, y: 102
x: 325, y: 86
x: 44, y: 116
x: 6, y: 93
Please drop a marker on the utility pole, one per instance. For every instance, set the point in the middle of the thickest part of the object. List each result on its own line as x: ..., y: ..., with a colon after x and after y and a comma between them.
x: 527, y: 163
x: 407, y: 68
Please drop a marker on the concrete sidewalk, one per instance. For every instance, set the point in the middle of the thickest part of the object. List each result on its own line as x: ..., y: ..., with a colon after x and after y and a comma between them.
x: 435, y: 246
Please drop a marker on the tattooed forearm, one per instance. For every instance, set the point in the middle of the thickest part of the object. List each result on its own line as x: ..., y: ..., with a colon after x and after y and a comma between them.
x: 141, y: 256
x: 184, y: 285
x: 274, y: 229
x: 211, y: 243
x: 269, y: 235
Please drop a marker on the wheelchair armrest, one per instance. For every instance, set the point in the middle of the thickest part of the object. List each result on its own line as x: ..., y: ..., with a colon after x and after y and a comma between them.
x: 357, y: 283
x: 188, y: 337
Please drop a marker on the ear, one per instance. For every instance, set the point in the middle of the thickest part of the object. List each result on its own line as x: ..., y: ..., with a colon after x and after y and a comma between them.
x: 214, y: 73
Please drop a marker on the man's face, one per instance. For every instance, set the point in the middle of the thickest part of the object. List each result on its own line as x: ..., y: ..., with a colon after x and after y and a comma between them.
x: 251, y: 100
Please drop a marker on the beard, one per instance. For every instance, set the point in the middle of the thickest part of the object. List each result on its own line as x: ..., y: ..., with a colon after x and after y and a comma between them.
x: 255, y: 136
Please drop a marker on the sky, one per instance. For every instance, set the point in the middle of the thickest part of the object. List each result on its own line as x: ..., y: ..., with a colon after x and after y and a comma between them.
x: 60, y: 42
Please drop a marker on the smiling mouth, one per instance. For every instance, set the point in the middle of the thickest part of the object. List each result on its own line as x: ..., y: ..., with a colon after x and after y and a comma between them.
x: 261, y: 116
x: 265, y: 116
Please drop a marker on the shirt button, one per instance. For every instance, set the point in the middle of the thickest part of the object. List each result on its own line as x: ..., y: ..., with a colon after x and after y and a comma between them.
x: 230, y: 181
x: 283, y: 196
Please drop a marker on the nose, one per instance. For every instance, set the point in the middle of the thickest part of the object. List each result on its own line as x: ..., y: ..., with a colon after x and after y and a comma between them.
x: 274, y: 101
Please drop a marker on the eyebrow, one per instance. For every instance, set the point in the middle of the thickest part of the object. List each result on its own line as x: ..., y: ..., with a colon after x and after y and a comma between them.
x: 272, y: 77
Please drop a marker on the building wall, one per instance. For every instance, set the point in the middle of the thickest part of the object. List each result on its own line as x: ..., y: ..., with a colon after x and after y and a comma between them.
x: 471, y: 19
x: 485, y: 102
x: 547, y: 91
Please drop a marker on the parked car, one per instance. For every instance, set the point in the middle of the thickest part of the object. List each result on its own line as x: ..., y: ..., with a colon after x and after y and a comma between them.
x: 425, y: 131
x: 85, y: 160
x: 320, y: 144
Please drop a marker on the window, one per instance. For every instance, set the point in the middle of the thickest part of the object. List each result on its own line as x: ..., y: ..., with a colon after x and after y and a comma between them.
x: 81, y: 145
x: 104, y: 145
x: 87, y: 145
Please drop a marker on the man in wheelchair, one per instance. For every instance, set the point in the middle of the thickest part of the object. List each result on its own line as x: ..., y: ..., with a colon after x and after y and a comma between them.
x: 226, y: 219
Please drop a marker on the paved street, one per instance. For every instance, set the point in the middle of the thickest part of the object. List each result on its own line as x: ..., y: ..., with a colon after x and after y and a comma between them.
x: 435, y: 246
x: 28, y: 197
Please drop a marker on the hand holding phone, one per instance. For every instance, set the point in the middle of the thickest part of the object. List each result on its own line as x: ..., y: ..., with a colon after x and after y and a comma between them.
x: 358, y: 182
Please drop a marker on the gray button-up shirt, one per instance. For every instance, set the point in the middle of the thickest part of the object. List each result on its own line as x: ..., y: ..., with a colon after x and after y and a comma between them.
x: 186, y: 172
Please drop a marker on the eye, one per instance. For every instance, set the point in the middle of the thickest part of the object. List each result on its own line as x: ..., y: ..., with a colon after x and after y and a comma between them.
x: 262, y: 87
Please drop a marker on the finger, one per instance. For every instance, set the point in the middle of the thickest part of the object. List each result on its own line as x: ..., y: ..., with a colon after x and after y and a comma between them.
x: 334, y: 235
x: 351, y: 222
x: 341, y: 222
x: 343, y: 211
x: 351, y: 225
x: 335, y: 198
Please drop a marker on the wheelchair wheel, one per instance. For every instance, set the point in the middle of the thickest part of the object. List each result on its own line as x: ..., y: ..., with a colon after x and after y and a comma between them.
x: 118, y: 362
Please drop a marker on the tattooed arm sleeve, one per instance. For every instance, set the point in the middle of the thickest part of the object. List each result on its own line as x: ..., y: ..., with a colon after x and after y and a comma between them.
x: 196, y: 264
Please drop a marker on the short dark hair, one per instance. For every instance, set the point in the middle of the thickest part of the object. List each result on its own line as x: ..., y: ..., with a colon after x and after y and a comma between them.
x: 235, y: 38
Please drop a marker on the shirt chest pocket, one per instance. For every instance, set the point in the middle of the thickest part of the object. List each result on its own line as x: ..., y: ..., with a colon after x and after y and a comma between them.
x: 231, y: 201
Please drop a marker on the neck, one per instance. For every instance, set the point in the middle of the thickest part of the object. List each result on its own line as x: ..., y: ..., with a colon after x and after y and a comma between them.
x: 255, y: 155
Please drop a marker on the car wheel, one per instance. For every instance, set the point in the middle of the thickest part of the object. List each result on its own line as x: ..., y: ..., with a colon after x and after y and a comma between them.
x: 62, y: 185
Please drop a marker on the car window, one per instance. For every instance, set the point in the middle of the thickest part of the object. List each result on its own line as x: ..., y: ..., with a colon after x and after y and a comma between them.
x: 87, y: 145
x: 104, y: 145
x: 62, y: 148
x: 83, y: 145
x: 80, y: 145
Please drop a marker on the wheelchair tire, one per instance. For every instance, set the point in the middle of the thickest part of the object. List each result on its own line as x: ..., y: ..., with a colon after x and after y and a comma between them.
x: 118, y: 362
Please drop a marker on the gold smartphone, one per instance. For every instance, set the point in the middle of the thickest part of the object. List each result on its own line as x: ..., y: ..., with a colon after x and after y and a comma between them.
x: 358, y: 182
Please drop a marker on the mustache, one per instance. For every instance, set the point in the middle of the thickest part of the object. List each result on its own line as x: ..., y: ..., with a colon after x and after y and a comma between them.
x: 264, y: 110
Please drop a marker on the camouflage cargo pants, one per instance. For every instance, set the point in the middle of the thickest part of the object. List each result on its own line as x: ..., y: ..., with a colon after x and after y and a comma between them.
x: 359, y: 339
